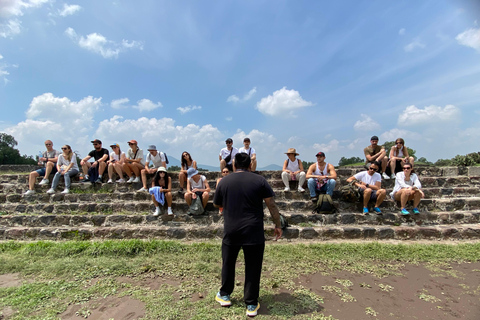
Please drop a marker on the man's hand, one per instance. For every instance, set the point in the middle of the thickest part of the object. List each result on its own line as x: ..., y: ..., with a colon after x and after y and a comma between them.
x: 278, y: 233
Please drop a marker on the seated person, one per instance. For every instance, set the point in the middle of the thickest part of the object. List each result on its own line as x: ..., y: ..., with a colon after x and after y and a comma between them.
x: 187, y: 163
x: 161, y: 190
x: 250, y: 151
x: 225, y: 172
x: 369, y: 185
x: 48, y: 160
x: 293, y: 170
x: 321, y: 176
x: 196, y: 185
x: 398, y: 157
x: 158, y: 160
x: 227, y: 155
x: 100, y: 155
x: 67, y: 167
x: 377, y: 153
x: 134, y: 162
x: 117, y: 159
x: 407, y: 187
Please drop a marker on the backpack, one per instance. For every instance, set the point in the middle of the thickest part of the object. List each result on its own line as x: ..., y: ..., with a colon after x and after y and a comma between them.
x: 283, y: 222
x: 325, y: 205
x: 166, y: 158
x: 350, y: 192
x: 196, y: 208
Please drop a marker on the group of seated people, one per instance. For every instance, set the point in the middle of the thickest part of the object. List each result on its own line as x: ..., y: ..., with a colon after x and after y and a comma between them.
x: 321, y: 175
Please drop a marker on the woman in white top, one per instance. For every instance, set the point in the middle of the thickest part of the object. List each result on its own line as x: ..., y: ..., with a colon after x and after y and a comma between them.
x: 293, y: 170
x: 407, y: 187
x: 187, y: 163
x: 67, y: 167
x: 196, y: 185
x: 115, y: 163
x: 398, y: 157
x: 134, y: 162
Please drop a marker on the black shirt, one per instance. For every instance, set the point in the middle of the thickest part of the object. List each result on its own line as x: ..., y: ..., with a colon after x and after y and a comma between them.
x: 241, y: 195
x: 98, y: 154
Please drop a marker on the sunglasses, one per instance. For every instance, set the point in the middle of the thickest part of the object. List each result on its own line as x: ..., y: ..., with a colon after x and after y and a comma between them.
x: 114, y: 147
x: 64, y: 148
x: 131, y: 144
x: 224, y: 171
x: 48, y: 144
x: 398, y: 143
x: 373, y: 169
x: 406, y: 168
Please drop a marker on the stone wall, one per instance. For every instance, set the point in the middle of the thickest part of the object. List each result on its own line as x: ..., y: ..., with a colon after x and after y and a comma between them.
x: 18, y: 167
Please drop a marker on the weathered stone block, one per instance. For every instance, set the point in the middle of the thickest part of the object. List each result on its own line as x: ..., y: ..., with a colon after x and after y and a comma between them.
x: 471, y: 233
x: 429, y: 233
x: 369, y: 233
x: 176, y: 233
x: 352, y: 233
x: 14, y: 197
x: 347, y: 218
x: 386, y: 233
x: 15, y: 233
x: 21, y: 208
x: 329, y: 233
x: 451, y: 233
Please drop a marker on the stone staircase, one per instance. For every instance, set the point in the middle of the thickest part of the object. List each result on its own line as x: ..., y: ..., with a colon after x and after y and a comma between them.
x: 450, y: 210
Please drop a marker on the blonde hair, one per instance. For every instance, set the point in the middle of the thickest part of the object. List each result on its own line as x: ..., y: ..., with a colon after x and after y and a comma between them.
x: 69, y: 152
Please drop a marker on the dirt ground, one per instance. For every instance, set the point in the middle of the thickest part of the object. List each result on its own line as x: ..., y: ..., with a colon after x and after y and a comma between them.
x: 418, y: 292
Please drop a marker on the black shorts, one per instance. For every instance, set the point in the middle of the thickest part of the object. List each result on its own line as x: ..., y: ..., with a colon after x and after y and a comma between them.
x: 373, y: 195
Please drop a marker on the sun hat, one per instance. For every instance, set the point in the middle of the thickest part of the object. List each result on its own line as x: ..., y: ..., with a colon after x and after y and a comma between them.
x: 292, y: 150
x: 191, y: 172
x: 152, y: 148
x: 162, y: 169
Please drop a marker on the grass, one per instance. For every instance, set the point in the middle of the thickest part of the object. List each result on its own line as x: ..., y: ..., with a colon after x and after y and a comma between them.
x: 59, y: 274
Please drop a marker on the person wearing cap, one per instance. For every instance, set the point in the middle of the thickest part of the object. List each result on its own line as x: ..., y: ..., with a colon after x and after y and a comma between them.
x: 134, y: 162
x: 293, y: 170
x: 227, y: 155
x: 100, y: 155
x: 377, y: 153
x: 250, y: 151
x: 197, y: 184
x: 115, y: 164
x: 161, y: 190
x: 321, y: 176
x: 48, y: 161
x: 158, y: 160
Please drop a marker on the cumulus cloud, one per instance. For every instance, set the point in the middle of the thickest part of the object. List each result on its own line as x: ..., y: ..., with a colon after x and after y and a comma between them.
x: 147, y: 105
x: 234, y: 98
x: 186, y: 109
x: 416, y: 43
x: 11, y: 28
x: 366, y: 124
x: 395, y: 133
x: 282, y: 102
x: 16, y: 7
x: 3, y: 71
x: 119, y: 103
x: 401, y: 31
x: 413, y: 116
x: 97, y: 43
x: 69, y: 10
x: 470, y: 38
x: 331, y: 146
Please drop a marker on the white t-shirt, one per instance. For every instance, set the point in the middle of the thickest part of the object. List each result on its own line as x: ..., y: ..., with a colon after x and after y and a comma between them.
x: 368, y: 179
x: 198, y: 185
x: 293, y: 165
x: 250, y: 151
x: 225, y: 152
x: 115, y: 156
x: 131, y: 155
x: 64, y: 162
x: 157, y: 160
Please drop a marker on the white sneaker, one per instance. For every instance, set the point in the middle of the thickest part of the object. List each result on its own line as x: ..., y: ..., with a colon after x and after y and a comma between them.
x: 142, y: 189
x: 286, y: 189
x: 137, y: 179
x: 300, y: 189
x: 50, y: 191
x: 120, y: 181
x: 29, y: 192
x: 66, y: 191
x: 131, y: 179
x: 110, y: 181
x: 393, y: 176
x: 157, y: 211
x: 385, y: 176
x: 43, y: 182
x: 170, y: 212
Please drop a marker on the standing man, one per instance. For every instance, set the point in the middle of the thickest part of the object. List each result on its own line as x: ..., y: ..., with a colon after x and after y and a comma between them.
x: 321, y: 176
x: 369, y: 185
x: 49, y: 162
x: 377, y: 153
x: 241, y: 195
x: 100, y: 155
x: 158, y: 160
x: 227, y: 155
x: 250, y: 151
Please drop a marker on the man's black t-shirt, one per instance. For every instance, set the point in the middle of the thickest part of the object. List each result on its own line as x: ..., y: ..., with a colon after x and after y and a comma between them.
x: 98, y: 154
x: 241, y: 195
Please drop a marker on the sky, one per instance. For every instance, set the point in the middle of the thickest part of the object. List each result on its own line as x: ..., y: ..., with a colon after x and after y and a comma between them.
x: 187, y: 75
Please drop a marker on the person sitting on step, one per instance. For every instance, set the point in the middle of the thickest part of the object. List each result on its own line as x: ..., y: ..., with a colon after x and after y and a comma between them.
x: 161, y: 190
x: 134, y: 162
x: 197, y: 185
x: 407, y: 187
x: 115, y: 164
x: 100, y: 155
x: 157, y: 160
x: 377, y: 153
x: 399, y: 157
x: 187, y: 163
x: 251, y: 152
x: 48, y: 160
x: 369, y: 185
x: 227, y: 155
x: 67, y: 167
x: 293, y: 170
x: 321, y: 177
x: 225, y: 172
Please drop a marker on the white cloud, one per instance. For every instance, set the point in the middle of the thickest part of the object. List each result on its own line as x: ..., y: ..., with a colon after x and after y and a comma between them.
x: 147, y: 105
x: 282, y: 102
x: 401, y: 31
x: 16, y: 7
x: 331, y: 146
x: 416, y: 43
x: 3, y: 72
x: 413, y: 116
x: 69, y: 9
x: 229, y: 118
x: 97, y: 43
x: 366, y: 124
x: 234, y: 98
x: 119, y: 103
x: 470, y: 38
x: 186, y: 109
x: 395, y: 133
x: 11, y: 28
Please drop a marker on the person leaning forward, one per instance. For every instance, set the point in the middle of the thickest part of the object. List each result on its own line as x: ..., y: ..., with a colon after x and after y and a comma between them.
x: 241, y: 195
x: 321, y: 177
x: 377, y: 153
x: 100, y: 155
x: 48, y: 160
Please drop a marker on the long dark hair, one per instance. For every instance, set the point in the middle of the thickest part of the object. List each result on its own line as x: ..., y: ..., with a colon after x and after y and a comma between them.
x: 184, y: 162
x: 157, y: 177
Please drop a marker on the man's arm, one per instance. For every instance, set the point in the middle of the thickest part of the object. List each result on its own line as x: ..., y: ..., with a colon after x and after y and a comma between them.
x: 332, y: 174
x: 310, y: 171
x: 272, y: 207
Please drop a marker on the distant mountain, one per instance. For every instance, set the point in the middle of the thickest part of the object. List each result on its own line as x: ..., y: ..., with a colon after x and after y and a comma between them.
x: 271, y: 167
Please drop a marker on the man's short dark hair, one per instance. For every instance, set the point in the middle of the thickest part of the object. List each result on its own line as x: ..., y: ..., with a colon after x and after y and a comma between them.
x: 242, y: 161
x: 246, y: 140
x: 376, y: 163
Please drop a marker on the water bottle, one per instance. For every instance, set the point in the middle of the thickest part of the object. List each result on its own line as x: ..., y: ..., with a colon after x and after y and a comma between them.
x: 40, y: 155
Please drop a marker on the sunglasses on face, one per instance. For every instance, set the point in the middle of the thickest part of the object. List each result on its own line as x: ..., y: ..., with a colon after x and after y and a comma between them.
x: 64, y: 148
x: 224, y: 171
x: 373, y: 169
x: 398, y: 143
x: 48, y: 144
x: 406, y: 168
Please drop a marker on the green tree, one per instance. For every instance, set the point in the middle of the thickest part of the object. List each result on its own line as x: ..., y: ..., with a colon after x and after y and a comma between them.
x: 389, y: 144
x: 173, y: 168
x: 346, y: 161
x: 10, y: 155
x: 424, y: 160
x: 306, y: 164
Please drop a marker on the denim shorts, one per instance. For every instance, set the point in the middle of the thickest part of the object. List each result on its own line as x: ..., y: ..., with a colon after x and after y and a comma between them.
x: 41, y: 171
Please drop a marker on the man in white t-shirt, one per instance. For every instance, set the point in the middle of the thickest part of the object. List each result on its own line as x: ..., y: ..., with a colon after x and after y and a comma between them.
x: 369, y: 185
x: 250, y: 151
x: 227, y: 155
x: 158, y: 160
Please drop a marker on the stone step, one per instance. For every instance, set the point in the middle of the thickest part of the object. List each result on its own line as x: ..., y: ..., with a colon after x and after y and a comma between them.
x: 294, y: 219
x: 364, y: 232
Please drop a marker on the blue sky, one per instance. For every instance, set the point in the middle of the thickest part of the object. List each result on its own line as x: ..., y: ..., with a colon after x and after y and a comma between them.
x: 186, y: 75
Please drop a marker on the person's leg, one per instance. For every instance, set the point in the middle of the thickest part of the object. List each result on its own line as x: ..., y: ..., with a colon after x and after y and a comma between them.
x: 253, y: 255
x: 205, y: 197
x: 403, y: 198
x: 229, y: 259
x: 110, y: 171
x: 331, y: 186
x: 416, y: 198
x: 118, y: 169
x: 85, y: 168
x: 301, y: 177
x: 286, y: 178
x: 128, y: 170
x: 182, y: 178
x: 136, y: 169
x: 411, y: 160
x: 101, y: 168
x: 56, y: 180
x: 312, y: 185
x: 254, y: 165
x: 384, y: 164
x: 381, y: 194
x: 367, y: 193
x: 393, y: 165
x: 188, y: 198
x: 68, y: 176
x: 223, y: 164
x: 144, y: 178
x: 168, y: 197
x: 32, y: 178
x: 48, y: 169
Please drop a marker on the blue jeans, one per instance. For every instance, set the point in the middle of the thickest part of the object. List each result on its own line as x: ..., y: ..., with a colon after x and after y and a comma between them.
x: 66, y: 176
x: 328, y: 187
